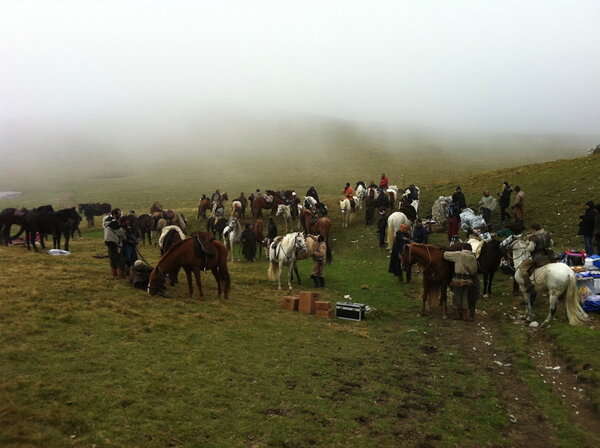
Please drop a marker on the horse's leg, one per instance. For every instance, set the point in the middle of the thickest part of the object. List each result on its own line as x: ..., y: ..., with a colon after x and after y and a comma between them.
x: 67, y: 236
x: 297, y: 273
x: 215, y: 272
x: 553, y: 299
x: 290, y: 275
x: 188, y: 274
x: 198, y: 283
x: 279, y: 275
x: 444, y: 300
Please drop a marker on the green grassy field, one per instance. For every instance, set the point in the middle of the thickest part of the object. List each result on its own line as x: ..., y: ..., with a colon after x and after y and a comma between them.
x: 88, y: 361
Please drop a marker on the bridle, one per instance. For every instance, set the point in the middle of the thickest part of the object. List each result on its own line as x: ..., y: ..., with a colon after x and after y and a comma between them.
x: 411, y: 262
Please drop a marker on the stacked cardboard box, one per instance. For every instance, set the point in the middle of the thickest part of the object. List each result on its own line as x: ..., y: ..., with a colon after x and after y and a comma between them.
x: 307, y: 302
x: 290, y: 303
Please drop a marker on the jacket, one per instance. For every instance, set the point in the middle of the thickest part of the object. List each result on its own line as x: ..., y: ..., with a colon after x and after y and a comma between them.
x: 587, y: 223
x: 488, y: 202
x: 465, y: 263
x: 113, y: 232
x: 420, y: 235
x: 540, y: 242
x: 505, y: 197
x: 519, y: 200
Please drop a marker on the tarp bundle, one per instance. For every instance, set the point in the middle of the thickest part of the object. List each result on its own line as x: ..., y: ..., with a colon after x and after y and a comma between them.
x: 469, y: 220
x: 439, y: 209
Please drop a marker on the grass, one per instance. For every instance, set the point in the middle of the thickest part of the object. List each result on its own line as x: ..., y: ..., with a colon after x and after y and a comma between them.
x: 87, y: 360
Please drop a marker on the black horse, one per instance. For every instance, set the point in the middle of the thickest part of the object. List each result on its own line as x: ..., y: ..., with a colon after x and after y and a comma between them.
x: 95, y: 209
x: 66, y: 222
x: 488, y: 263
x: 145, y: 225
x: 39, y: 221
x: 8, y: 217
x: 216, y: 226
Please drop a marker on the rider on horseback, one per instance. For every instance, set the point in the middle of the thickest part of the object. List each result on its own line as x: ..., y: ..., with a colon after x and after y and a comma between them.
x: 348, y: 191
x: 540, y: 247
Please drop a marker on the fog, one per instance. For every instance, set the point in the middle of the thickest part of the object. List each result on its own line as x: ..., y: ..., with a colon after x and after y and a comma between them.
x: 127, y: 79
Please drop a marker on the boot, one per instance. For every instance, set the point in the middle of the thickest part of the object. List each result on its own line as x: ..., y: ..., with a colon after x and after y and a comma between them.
x: 121, y: 272
x: 114, y: 272
x: 315, y: 280
x: 466, y: 315
x: 322, y: 282
x: 457, y: 314
x: 471, y: 313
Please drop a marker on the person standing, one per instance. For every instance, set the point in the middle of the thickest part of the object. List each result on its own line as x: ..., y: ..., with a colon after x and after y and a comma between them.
x: 465, y: 267
x: 487, y: 205
x: 586, y: 227
x: 129, y: 251
x: 420, y: 233
x: 383, y: 182
x: 453, y: 220
x: 271, y: 230
x: 114, y: 235
x: 597, y: 228
x: 318, y: 256
x: 401, y: 239
x: 519, y: 205
x: 382, y: 226
x: 248, y: 241
x: 459, y: 198
x: 504, y: 201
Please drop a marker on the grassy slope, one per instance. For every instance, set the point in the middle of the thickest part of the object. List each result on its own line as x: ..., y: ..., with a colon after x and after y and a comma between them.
x: 86, y: 360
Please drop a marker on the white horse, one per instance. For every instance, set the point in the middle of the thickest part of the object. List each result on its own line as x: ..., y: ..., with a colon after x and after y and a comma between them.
x: 236, y: 208
x: 284, y: 211
x: 347, y: 212
x: 284, y: 251
x: 395, y: 220
x: 361, y: 195
x: 233, y: 235
x: 556, y: 279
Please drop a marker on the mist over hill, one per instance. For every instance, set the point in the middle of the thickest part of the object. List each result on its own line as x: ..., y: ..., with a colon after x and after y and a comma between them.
x: 184, y: 141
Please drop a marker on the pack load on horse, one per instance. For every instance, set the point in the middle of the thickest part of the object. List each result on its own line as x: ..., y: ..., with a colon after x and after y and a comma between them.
x: 163, y: 218
x: 269, y: 201
x: 439, y: 209
x: 198, y: 253
x: 557, y: 279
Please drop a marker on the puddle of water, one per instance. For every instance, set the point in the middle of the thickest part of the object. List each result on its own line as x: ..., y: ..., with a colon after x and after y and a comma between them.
x: 9, y: 194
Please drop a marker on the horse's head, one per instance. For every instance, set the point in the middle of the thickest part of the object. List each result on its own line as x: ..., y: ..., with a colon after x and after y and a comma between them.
x: 157, y: 281
x: 406, y: 258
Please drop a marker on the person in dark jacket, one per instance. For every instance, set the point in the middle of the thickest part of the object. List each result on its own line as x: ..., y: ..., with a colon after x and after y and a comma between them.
x: 586, y: 227
x: 248, y: 241
x: 459, y: 198
x: 597, y: 229
x: 420, y: 233
x: 382, y: 226
x: 504, y: 201
x: 313, y: 193
x: 271, y: 230
x: 401, y: 239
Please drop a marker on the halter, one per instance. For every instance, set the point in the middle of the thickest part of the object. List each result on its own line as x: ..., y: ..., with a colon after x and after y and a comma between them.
x: 411, y: 262
x: 288, y: 256
x: 162, y: 276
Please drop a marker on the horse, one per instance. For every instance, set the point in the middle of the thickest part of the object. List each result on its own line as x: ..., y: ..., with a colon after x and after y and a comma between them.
x: 8, y: 217
x: 488, y: 255
x: 216, y: 226
x: 283, y: 252
x: 200, y: 252
x: 236, y: 209
x: 370, y: 206
x: 284, y: 211
x: 436, y: 272
x: 145, y: 226
x: 320, y: 226
x: 93, y: 209
x: 557, y: 279
x: 65, y: 223
x: 361, y: 194
x: 42, y: 221
x: 204, y: 205
x: 392, y: 193
x: 347, y: 212
x: 170, y: 236
x: 257, y: 228
x: 395, y: 220
x: 261, y: 203
x: 411, y: 196
x: 232, y: 233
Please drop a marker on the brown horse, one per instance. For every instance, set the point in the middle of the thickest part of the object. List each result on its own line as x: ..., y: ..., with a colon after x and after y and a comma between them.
x: 200, y: 252
x: 203, y: 206
x: 436, y: 272
x: 260, y: 203
x: 320, y: 226
x: 145, y: 226
x: 259, y: 236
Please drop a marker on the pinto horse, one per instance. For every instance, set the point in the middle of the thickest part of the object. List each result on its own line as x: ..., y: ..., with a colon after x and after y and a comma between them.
x: 193, y: 255
x: 436, y: 272
x: 170, y: 236
x: 319, y: 226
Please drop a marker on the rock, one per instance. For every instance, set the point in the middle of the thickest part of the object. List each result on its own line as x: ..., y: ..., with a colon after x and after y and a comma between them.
x: 534, y: 324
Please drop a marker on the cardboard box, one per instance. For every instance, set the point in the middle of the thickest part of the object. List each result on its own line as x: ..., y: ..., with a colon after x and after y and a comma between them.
x: 290, y: 303
x: 307, y: 302
x: 322, y: 305
x: 326, y: 314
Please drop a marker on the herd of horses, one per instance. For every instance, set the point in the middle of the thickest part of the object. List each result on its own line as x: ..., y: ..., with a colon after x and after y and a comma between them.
x: 203, y: 251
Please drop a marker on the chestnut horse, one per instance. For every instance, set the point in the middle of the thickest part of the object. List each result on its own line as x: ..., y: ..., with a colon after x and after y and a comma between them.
x: 436, y: 272
x: 260, y: 203
x: 184, y: 255
x: 320, y: 226
x: 259, y: 235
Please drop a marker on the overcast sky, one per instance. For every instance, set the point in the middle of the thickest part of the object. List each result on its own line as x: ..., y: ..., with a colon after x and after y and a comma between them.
x: 508, y: 66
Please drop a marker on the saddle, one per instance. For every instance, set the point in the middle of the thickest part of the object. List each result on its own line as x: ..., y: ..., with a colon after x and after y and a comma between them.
x: 204, y: 244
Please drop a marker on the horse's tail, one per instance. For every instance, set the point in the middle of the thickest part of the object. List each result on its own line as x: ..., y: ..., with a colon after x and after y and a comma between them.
x: 225, y: 279
x: 273, y: 271
x: 575, y: 313
x: 390, y: 235
x: 328, y: 254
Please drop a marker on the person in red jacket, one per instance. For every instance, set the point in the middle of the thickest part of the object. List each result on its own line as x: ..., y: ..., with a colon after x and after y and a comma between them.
x: 383, y: 183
